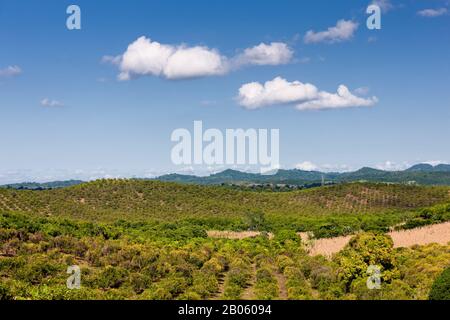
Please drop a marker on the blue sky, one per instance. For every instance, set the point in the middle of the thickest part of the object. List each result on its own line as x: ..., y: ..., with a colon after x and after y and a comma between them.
x: 64, y: 113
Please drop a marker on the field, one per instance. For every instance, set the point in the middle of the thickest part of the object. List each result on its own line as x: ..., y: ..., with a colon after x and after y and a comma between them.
x: 135, y: 239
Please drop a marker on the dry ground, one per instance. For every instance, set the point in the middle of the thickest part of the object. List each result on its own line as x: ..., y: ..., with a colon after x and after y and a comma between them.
x: 437, y: 233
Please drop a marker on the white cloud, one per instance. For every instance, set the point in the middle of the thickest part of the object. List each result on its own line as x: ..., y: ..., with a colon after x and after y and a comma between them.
x: 46, y: 102
x: 344, y: 30
x: 10, y: 71
x: 385, y: 5
x: 275, y: 53
x: 277, y: 91
x: 145, y: 57
x: 393, y: 166
x: 310, y: 166
x: 435, y: 162
x: 431, y: 13
x: 343, y: 98
x: 195, y: 62
x: 151, y: 58
x: 307, y: 166
x: 305, y: 96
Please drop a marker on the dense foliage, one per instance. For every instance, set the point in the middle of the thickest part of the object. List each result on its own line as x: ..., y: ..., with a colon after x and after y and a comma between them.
x: 421, y: 174
x: 136, y: 239
x: 154, y: 261
x: 327, y: 211
x: 441, y: 287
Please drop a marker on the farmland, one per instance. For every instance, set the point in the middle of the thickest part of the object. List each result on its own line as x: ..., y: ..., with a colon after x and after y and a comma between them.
x: 135, y: 239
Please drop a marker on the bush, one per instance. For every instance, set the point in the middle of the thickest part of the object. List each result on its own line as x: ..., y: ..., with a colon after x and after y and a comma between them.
x: 139, y: 282
x: 111, y: 277
x: 5, y: 293
x: 204, y: 283
x: 364, y: 250
x: 266, y: 287
x: 284, y: 236
x: 37, y: 270
x: 441, y: 287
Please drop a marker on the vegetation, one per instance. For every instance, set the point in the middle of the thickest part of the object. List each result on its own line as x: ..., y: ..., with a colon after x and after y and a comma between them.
x: 441, y: 287
x: 137, y: 239
x: 326, y: 211
x: 424, y: 174
x: 42, y: 186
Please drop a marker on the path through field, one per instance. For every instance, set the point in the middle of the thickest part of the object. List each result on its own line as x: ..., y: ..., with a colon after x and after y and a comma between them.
x: 219, y: 294
x: 248, y: 293
x: 281, y: 280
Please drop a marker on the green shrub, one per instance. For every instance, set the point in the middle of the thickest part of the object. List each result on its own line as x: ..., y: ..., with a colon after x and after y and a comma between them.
x: 111, y: 277
x: 364, y: 250
x: 5, y: 292
x: 283, y: 236
x: 441, y: 287
x: 266, y: 287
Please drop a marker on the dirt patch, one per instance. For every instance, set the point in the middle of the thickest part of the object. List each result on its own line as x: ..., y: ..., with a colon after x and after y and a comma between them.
x: 437, y: 233
x: 327, y: 247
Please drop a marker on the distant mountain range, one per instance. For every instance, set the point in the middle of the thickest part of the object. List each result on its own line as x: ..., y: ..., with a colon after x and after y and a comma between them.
x: 424, y: 174
x: 420, y: 174
x: 42, y: 186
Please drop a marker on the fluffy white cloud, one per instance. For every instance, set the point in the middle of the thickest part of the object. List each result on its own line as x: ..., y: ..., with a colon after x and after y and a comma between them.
x: 277, y: 91
x: 46, y: 102
x: 10, y: 71
x: 343, y: 98
x: 304, y: 95
x: 195, y: 62
x: 146, y: 57
x: 275, y: 53
x: 431, y: 13
x: 343, y: 31
x: 151, y: 58
x: 306, y: 166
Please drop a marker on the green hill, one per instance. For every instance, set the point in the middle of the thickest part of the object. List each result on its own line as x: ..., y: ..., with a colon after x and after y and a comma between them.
x: 349, y: 206
x: 137, y: 239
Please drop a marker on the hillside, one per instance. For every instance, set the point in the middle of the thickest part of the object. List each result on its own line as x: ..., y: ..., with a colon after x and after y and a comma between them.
x: 137, y: 239
x: 351, y: 206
